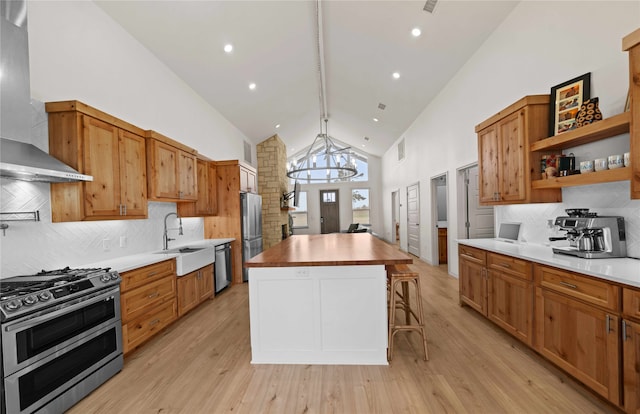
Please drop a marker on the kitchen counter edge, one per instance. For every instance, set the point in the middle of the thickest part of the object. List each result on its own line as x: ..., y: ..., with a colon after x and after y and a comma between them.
x: 624, y: 270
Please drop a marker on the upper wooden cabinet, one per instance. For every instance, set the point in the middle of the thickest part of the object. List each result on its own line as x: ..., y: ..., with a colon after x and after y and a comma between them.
x: 506, y: 163
x: 109, y: 149
x: 631, y: 43
x: 207, y: 203
x: 172, y: 170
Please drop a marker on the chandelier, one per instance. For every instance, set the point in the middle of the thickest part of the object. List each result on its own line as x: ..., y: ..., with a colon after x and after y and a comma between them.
x: 338, y: 162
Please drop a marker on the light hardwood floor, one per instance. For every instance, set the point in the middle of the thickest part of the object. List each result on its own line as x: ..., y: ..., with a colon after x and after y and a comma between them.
x: 201, y: 364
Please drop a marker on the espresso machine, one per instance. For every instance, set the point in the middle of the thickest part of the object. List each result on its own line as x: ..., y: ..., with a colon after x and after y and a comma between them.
x: 591, y: 236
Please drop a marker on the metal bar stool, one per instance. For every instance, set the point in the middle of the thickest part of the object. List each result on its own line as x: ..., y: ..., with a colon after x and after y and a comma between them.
x: 401, y: 273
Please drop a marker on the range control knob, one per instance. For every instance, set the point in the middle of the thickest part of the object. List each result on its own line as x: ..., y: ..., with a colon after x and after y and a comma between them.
x: 114, y: 275
x: 105, y: 277
x: 13, y: 305
x: 44, y: 296
x: 30, y: 300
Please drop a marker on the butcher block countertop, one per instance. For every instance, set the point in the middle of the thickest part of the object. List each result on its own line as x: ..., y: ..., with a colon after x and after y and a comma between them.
x: 336, y: 249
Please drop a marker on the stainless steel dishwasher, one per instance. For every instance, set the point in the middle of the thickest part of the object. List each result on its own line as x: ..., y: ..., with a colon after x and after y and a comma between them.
x: 223, y: 266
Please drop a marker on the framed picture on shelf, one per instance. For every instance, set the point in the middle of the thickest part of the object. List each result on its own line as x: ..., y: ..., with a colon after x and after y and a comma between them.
x: 566, y: 99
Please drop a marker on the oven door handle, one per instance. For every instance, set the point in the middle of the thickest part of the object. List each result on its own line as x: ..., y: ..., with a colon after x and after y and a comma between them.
x: 65, y: 309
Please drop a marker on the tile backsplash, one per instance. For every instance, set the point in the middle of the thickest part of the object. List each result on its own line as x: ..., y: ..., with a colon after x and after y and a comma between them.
x: 610, y: 199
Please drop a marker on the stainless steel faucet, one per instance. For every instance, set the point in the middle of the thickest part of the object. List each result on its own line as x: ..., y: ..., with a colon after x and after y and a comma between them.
x: 165, y: 236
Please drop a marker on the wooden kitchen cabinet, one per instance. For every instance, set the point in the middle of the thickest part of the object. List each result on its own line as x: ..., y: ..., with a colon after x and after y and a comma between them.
x: 577, y: 327
x: 499, y: 287
x: 505, y: 161
x: 473, y: 281
x: 207, y: 202
x: 442, y: 246
x: 510, y: 295
x: 631, y: 43
x: 194, y: 288
x: 631, y: 349
x: 147, y: 301
x: 110, y: 150
x: 171, y: 169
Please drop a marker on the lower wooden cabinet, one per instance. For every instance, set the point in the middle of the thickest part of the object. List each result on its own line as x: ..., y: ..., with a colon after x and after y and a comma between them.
x: 193, y: 288
x: 442, y: 245
x: 147, y: 302
x: 473, y: 282
x: 581, y: 339
x: 631, y: 365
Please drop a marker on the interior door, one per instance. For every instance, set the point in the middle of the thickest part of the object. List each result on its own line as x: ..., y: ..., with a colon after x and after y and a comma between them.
x: 480, y: 221
x: 413, y: 219
x: 329, y: 211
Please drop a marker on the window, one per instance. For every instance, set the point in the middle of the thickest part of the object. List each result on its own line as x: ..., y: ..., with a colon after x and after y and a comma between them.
x: 299, y: 217
x: 360, y: 206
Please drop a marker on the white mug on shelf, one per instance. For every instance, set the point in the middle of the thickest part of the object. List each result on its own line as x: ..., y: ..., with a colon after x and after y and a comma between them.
x: 615, y: 161
x: 601, y: 164
x: 627, y: 159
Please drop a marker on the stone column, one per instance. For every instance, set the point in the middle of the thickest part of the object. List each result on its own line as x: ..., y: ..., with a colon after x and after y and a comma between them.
x: 272, y: 183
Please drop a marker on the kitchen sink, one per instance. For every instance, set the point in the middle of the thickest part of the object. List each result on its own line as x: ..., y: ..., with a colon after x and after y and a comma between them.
x: 189, y: 259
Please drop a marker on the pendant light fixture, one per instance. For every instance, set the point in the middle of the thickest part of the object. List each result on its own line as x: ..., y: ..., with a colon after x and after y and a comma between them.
x: 324, y: 154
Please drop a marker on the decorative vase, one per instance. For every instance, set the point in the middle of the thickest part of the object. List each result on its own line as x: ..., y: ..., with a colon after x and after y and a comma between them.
x: 588, y: 113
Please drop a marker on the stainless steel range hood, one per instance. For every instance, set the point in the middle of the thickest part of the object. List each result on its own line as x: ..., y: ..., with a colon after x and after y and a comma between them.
x: 19, y: 159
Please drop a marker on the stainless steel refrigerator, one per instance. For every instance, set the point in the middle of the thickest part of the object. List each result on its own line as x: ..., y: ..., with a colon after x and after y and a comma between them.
x: 251, y: 205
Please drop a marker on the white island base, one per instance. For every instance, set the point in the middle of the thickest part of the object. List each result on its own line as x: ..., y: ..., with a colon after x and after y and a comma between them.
x: 318, y: 315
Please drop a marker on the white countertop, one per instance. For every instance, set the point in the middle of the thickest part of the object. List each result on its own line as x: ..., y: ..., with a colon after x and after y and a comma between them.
x: 621, y: 270
x: 134, y: 261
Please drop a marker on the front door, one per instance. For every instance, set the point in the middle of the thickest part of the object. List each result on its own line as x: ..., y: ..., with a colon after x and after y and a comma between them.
x: 413, y: 219
x: 329, y: 211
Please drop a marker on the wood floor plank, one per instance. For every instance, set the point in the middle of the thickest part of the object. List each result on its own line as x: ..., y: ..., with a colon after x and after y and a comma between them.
x: 202, y: 364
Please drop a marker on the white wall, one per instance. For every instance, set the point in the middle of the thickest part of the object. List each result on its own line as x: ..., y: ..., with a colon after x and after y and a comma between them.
x: 78, y: 52
x: 535, y: 48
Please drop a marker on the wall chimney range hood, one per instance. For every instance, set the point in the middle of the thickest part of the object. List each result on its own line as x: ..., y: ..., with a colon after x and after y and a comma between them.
x: 20, y: 159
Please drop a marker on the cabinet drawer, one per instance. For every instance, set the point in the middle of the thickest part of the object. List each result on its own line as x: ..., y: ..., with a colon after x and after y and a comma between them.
x: 472, y: 254
x: 144, y: 275
x: 631, y: 303
x: 597, y: 292
x: 139, y: 330
x: 137, y: 301
x: 510, y: 265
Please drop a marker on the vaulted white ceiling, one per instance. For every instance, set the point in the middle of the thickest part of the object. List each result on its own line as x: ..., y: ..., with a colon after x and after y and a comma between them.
x: 275, y: 46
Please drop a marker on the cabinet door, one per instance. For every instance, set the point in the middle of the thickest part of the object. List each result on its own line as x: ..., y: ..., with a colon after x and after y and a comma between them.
x: 442, y: 246
x: 581, y: 339
x: 631, y: 365
x: 187, y: 176
x: 248, y: 180
x: 212, y: 187
x: 473, y: 285
x: 512, y: 158
x: 489, y: 153
x: 187, y: 292
x: 205, y: 283
x: 133, y: 175
x: 163, y: 176
x: 510, y: 304
x: 101, y: 160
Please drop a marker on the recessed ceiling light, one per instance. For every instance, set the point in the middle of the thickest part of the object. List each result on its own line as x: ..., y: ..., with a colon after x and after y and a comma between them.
x: 375, y: 119
x: 363, y: 145
x: 228, y: 48
x: 252, y: 86
x: 277, y: 126
x: 416, y: 32
x: 396, y: 75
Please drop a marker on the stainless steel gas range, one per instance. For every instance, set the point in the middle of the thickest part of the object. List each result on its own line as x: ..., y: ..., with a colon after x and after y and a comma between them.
x: 61, y: 337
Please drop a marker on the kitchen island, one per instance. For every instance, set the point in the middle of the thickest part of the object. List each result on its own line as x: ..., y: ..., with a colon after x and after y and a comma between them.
x: 321, y: 299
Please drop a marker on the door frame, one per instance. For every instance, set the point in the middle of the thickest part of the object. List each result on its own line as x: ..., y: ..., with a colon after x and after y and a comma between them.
x: 463, y: 199
x: 435, y: 254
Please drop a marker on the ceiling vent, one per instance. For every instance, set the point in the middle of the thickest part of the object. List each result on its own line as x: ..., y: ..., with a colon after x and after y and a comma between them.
x: 247, y: 152
x: 381, y: 106
x: 430, y: 5
x: 401, y: 150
